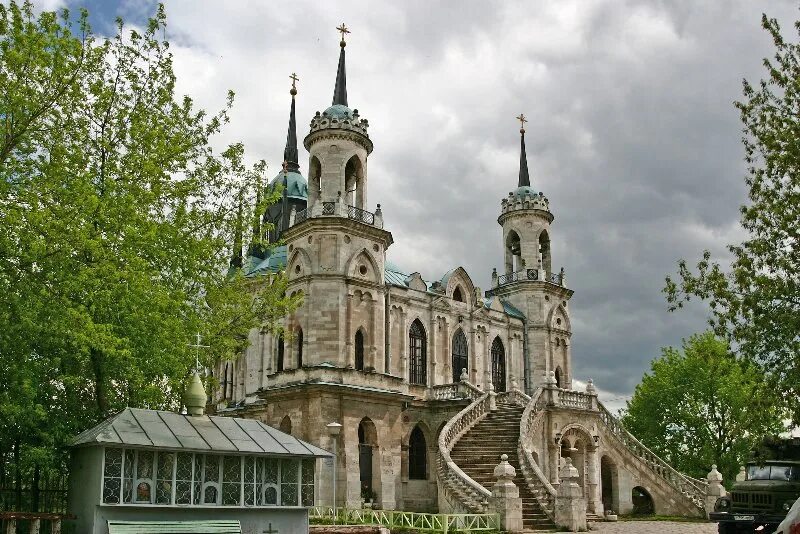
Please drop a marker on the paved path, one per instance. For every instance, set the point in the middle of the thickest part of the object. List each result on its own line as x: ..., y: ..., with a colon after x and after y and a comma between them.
x: 655, y: 527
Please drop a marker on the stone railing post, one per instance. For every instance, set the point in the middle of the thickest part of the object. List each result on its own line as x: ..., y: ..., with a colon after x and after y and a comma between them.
x: 592, y: 392
x: 505, y: 500
x: 292, y: 215
x: 378, y: 217
x: 742, y: 475
x: 551, y: 389
x: 492, y: 398
x: 11, y: 526
x: 495, y: 277
x: 570, y: 504
x: 55, y: 526
x: 715, y: 489
x: 35, y: 526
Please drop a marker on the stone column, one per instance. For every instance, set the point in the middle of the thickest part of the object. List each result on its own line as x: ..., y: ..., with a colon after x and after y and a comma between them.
x: 432, y: 352
x: 715, y: 489
x: 505, y: 499
x: 349, y: 355
x: 570, y: 504
x: 403, y: 355
x: 594, y: 498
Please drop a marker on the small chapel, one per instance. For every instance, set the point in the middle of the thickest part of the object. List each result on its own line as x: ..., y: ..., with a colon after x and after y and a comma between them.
x: 431, y: 378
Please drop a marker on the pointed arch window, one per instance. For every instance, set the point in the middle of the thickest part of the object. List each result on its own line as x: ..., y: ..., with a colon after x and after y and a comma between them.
x: 417, y: 354
x: 558, y: 377
x: 460, y: 354
x: 458, y: 295
x: 281, y: 350
x: 359, y: 350
x: 498, y: 365
x: 417, y: 455
x: 299, y: 348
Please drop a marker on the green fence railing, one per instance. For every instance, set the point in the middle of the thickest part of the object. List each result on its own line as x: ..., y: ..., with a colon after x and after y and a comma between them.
x: 410, y: 520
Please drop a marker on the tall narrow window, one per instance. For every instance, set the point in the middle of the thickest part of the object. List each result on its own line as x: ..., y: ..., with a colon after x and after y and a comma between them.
x: 417, y: 345
x: 558, y: 377
x: 299, y: 348
x: 460, y: 354
x: 498, y: 365
x: 360, y: 350
x: 417, y: 455
x: 280, y: 353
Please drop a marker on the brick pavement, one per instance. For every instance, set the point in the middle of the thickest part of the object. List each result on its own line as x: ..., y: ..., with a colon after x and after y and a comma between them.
x: 656, y: 527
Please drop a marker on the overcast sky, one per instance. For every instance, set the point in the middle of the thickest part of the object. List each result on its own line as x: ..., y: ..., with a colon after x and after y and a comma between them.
x: 632, y: 135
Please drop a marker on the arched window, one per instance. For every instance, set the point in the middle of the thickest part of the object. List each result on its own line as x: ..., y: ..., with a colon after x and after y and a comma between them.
x: 498, y: 365
x: 299, y: 348
x: 280, y: 353
x: 558, y: 377
x: 417, y: 347
x: 544, y: 250
x: 460, y: 354
x: 513, y: 252
x: 458, y: 296
x: 286, y: 425
x: 417, y: 455
x: 360, y: 350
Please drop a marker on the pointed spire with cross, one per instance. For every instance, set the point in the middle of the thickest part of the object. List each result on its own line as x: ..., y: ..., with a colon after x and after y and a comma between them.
x: 340, y: 91
x: 524, y: 177
x: 344, y: 31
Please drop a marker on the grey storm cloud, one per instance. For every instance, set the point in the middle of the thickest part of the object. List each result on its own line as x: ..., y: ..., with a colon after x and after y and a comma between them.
x: 632, y: 135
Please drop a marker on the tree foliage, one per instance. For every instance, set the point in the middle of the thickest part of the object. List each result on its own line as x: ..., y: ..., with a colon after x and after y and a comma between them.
x: 702, y: 406
x: 756, y: 303
x: 116, y: 218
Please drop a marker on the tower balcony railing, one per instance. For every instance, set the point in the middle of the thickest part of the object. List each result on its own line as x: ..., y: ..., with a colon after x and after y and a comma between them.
x: 338, y: 209
x: 522, y: 275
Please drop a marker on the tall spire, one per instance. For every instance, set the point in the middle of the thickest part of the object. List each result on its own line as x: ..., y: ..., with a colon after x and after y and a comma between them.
x: 290, y: 155
x: 236, y: 257
x: 524, y: 177
x: 256, y: 247
x: 340, y: 91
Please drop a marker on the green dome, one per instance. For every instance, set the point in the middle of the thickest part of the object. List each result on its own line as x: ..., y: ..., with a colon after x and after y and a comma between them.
x: 525, y: 191
x: 338, y: 111
x: 297, y: 187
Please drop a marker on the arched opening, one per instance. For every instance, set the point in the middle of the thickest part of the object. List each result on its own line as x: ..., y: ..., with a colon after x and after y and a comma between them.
x: 417, y: 455
x: 544, y: 250
x: 642, y: 502
x: 281, y: 351
x: 458, y: 295
x: 354, y: 183
x: 286, y: 425
x: 314, y: 185
x: 299, y: 348
x: 498, y: 365
x: 559, y: 380
x: 368, y: 461
x: 460, y: 354
x: 417, y: 354
x: 609, y: 487
x: 359, y: 346
x: 513, y: 252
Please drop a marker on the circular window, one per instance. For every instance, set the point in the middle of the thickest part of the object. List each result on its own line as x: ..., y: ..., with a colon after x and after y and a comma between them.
x: 363, y: 270
x: 376, y: 248
x: 297, y: 269
x: 346, y: 238
x: 558, y: 321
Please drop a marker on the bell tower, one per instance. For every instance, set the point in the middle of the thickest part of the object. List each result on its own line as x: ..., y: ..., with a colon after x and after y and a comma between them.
x: 528, y: 281
x: 336, y: 247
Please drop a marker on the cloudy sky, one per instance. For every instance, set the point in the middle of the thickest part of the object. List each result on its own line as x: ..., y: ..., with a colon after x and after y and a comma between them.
x: 632, y: 135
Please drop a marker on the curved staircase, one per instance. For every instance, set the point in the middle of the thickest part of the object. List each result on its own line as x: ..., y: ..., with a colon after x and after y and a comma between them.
x: 478, y: 452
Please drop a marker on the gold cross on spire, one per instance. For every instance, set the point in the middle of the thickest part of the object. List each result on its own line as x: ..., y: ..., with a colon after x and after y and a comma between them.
x: 343, y: 30
x: 522, y: 120
x: 295, y: 79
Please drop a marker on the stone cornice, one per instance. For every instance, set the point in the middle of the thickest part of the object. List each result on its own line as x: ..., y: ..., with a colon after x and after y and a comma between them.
x: 337, y: 133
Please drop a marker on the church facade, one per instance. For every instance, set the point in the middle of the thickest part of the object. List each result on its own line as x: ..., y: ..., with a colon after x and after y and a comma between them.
x: 396, y: 357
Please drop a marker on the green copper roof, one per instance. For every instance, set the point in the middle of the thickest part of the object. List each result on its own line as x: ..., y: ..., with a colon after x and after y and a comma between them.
x: 338, y: 111
x: 525, y: 191
x: 297, y: 186
x: 273, y: 263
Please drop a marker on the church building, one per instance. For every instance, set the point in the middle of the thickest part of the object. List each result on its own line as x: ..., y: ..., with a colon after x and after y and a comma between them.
x: 396, y: 356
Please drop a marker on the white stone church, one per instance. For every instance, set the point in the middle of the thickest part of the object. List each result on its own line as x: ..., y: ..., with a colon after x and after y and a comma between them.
x: 431, y: 378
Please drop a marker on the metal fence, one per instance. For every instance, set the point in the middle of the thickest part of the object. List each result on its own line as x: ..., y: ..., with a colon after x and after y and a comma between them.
x: 395, y: 519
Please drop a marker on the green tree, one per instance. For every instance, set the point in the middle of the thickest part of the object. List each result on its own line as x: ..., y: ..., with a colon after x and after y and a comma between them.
x: 116, y: 219
x: 702, y: 406
x: 755, y: 303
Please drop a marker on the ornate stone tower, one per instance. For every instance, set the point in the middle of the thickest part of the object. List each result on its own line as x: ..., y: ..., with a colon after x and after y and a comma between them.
x: 336, y: 248
x: 529, y: 283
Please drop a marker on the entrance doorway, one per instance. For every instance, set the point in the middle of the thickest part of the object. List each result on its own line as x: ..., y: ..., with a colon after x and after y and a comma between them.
x: 368, y: 460
x: 609, y: 484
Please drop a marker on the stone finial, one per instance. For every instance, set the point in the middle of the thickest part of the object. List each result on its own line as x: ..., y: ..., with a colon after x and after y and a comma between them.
x: 378, y: 217
x: 741, y: 475
x: 550, y: 379
x: 714, y: 475
x: 568, y: 470
x: 464, y: 376
x: 590, y: 389
x: 504, y: 472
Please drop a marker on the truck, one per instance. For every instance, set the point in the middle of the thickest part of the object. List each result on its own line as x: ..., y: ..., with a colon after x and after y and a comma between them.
x: 771, y: 486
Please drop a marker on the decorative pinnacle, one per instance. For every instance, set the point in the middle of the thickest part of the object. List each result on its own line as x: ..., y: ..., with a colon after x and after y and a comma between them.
x: 343, y: 30
x: 522, y: 120
x: 295, y: 79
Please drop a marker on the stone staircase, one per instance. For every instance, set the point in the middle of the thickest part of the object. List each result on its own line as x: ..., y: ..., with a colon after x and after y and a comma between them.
x: 478, y: 452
